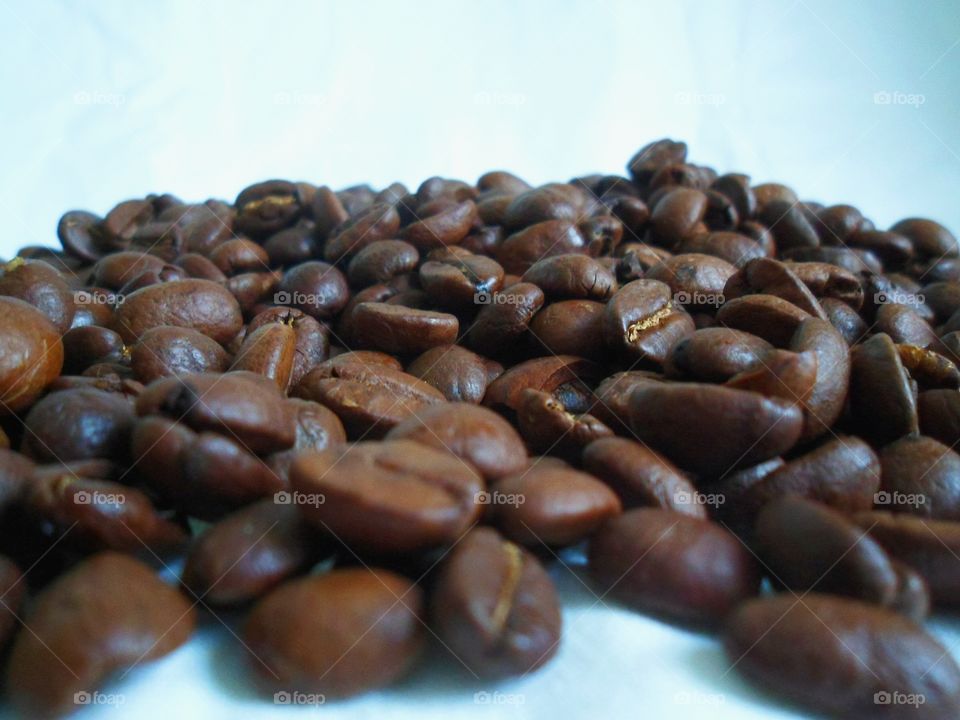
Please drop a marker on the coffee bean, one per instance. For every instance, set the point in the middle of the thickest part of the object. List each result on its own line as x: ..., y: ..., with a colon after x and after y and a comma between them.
x: 572, y: 277
x: 841, y: 657
x: 550, y: 504
x: 518, y: 252
x: 265, y: 208
x: 378, y: 222
x: 40, y: 285
x: 495, y: 608
x: 269, y: 351
x: 504, y: 317
x: 459, y: 374
x: 716, y: 354
x: 336, y: 635
x: 107, y: 614
x: 881, y: 400
x: 570, y: 327
x: 671, y: 565
x: 390, y: 497
x: 546, y: 373
x: 380, y: 261
x: 166, y: 350
x: 746, y: 427
x: 248, y: 553
x: 642, y: 322
x: 477, y: 435
x: 810, y: 547
x: 921, y: 476
x: 32, y: 354
x: 930, y: 239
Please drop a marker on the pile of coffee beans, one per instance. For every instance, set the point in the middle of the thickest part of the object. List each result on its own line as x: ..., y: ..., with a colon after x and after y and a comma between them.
x: 376, y: 421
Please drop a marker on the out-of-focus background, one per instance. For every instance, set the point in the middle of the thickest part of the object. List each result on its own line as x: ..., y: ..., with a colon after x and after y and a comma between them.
x: 854, y: 101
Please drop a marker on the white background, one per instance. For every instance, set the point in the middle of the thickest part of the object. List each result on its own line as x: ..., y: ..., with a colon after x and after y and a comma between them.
x: 107, y: 100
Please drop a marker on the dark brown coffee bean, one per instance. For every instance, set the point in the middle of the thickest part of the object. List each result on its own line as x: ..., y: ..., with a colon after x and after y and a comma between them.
x: 267, y: 207
x: 327, y: 211
x: 697, y: 281
x: 766, y: 276
x: 836, y: 223
x: 650, y: 158
x: 388, y: 497
x: 545, y: 373
x: 788, y: 223
x: 402, y: 330
x: 461, y: 375
x: 810, y: 547
x: 380, y: 261
x: 881, y: 401
x: 736, y: 188
x: 920, y: 476
x: 378, y: 222
x: 312, y: 343
x: 32, y: 354
x: 245, y: 407
x: 733, y: 247
x: 197, y: 266
x: 518, y: 252
x: 239, y: 255
x: 84, y: 346
x: 612, y: 398
x: 550, y: 504
x: 107, y: 614
x: 930, y: 239
x: 78, y: 424
x: 545, y: 203
x: 164, y: 350
x: 40, y: 285
x: 782, y: 374
x: 269, y: 351
x: 78, y: 232
x: 456, y: 279
x: 842, y: 658
x: 336, y: 635
x: 495, y: 608
x: 642, y: 321
x: 825, y: 403
x: 197, y: 304
x: 504, y: 318
x: 248, y: 553
x: 550, y: 429
x: 478, y: 435
x: 746, y: 427
x: 845, y: 319
x: 929, y: 368
x: 570, y: 327
x: 672, y: 565
x: 716, y: 354
x: 316, y: 288
x: 292, y: 245
x: 572, y: 276
x: 641, y: 477
x: 904, y: 325
x: 677, y: 215
x: 939, y: 415
x: 447, y: 226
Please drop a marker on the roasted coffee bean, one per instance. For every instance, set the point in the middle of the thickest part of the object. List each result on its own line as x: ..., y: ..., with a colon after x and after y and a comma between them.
x: 826, y: 401
x: 336, y: 635
x: 928, y: 368
x: 459, y: 374
x: 650, y: 158
x: 77, y: 425
x: 447, y: 226
x: 672, y: 565
x: 766, y: 316
x: 248, y: 553
x: 380, y: 261
x: 810, y: 547
x: 504, y: 317
x: 697, y: 281
x: 550, y: 429
x: 736, y: 188
x: 836, y: 223
x: 939, y: 415
x: 455, y: 279
x: 677, y: 215
x: 293, y: 245
x: 746, y: 427
x: 402, y: 330
x: 84, y: 346
x: 572, y: 277
x: 545, y: 373
x: 317, y: 288
x: 495, y: 608
x: 920, y: 476
x: 550, y: 504
x: 78, y: 232
x: 518, y: 252
x: 267, y: 207
x: 311, y: 345
x: 928, y: 546
x: 478, y: 435
x: 570, y: 327
x: 269, y: 351
x: 641, y: 477
x: 389, y: 497
x: 787, y: 375
x: 881, y: 400
x: 845, y: 319
x: 788, y: 223
x: 733, y: 247
x: 31, y: 355
x: 930, y: 239
x: 107, y: 614
x: 239, y: 255
x: 40, y: 285
x: 642, y: 322
x: 716, y: 354
x: 547, y: 202
x: 166, y: 350
x: 766, y: 276
x: 378, y: 222
x: 842, y: 657
x: 196, y: 304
